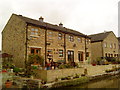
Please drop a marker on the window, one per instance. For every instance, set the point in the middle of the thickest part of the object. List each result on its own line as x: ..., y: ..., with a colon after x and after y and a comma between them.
x: 87, y: 54
x: 60, y: 36
x: 105, y: 54
x: 50, y: 53
x: 32, y: 51
x: 71, y: 38
x: 34, y: 31
x: 111, y: 45
x: 111, y: 55
x: 49, y: 34
x: 105, y: 45
x: 60, y: 53
x: 80, y: 40
x: 114, y: 46
x: 35, y: 51
x: 88, y: 41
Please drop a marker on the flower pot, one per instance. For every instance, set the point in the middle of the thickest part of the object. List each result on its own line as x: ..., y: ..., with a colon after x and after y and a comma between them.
x: 94, y: 64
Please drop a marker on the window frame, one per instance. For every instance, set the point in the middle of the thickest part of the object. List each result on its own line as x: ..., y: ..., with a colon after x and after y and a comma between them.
x: 79, y: 39
x: 60, y: 36
x: 60, y: 53
x: 34, y: 32
x: 71, y: 38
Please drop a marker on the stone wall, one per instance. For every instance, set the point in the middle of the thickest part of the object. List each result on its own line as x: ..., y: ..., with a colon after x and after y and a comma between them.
x: 13, y: 40
x: 51, y: 75
x: 111, y: 39
x: 96, y: 50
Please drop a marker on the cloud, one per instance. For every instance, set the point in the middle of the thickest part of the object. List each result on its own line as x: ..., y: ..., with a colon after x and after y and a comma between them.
x: 86, y: 16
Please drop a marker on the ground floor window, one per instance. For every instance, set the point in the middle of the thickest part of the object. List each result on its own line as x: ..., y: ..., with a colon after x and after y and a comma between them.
x: 60, y: 53
x: 49, y: 53
x: 35, y: 51
x: 87, y: 54
x: 111, y: 55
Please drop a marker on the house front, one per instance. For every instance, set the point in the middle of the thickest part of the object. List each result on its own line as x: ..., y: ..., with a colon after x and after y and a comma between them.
x: 119, y: 48
x: 104, y: 45
x: 23, y: 36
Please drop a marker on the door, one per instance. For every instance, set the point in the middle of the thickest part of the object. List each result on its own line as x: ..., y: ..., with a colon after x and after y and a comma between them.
x: 80, y: 56
x: 70, y: 56
x: 36, y: 51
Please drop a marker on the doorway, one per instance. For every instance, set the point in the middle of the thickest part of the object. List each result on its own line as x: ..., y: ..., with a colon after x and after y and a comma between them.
x: 80, y: 56
x: 70, y: 56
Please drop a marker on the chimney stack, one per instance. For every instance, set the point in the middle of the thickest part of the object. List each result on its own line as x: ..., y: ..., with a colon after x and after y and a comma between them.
x: 61, y: 25
x: 41, y: 19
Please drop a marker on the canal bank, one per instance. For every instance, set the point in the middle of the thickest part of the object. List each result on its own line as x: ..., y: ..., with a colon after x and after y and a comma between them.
x: 81, y: 80
x: 108, y: 82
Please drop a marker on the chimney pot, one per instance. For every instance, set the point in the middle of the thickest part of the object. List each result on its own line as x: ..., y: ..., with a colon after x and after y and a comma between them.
x: 61, y: 25
x: 41, y: 19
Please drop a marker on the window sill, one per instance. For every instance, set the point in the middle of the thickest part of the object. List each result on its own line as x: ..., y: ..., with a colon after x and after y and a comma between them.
x: 33, y: 36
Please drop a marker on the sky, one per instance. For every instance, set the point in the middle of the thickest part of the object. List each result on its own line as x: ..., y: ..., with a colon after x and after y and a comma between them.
x: 85, y: 16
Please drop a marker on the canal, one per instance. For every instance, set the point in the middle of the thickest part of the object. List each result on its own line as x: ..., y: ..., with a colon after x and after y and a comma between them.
x: 111, y: 82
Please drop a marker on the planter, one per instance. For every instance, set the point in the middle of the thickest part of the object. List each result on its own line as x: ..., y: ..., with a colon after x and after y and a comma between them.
x: 93, y: 64
x: 8, y: 84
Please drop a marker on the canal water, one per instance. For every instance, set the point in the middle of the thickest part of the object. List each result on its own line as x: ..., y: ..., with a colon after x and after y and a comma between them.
x: 111, y: 82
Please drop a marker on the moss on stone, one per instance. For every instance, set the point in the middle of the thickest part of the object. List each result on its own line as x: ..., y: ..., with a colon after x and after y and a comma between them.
x: 72, y: 82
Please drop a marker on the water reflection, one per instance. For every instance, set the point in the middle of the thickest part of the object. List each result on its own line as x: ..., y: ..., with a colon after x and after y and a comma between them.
x: 112, y: 82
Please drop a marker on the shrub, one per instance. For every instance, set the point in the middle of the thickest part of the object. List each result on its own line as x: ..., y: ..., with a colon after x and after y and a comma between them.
x: 62, y: 66
x: 16, y: 70
x: 34, y: 67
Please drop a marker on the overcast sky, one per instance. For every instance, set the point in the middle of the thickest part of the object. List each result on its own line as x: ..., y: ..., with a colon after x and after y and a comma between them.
x: 85, y: 16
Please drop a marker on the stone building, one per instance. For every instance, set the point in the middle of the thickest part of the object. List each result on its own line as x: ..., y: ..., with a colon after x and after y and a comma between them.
x: 23, y: 36
x: 119, y: 47
x: 104, y: 45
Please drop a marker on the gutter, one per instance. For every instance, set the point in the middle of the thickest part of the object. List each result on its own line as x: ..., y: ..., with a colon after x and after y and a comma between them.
x: 45, y: 45
x: 26, y: 46
x: 65, y: 47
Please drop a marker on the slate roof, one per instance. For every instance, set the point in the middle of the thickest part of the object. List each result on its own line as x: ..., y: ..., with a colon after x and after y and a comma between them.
x: 51, y: 26
x: 99, y: 37
x: 119, y: 38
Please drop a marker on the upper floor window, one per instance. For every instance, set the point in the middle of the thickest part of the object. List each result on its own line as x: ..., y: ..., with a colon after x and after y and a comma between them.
x: 71, y: 38
x: 88, y: 41
x: 105, y: 45
x: 34, y: 31
x: 49, y: 34
x: 111, y: 45
x: 60, y: 36
x: 80, y: 40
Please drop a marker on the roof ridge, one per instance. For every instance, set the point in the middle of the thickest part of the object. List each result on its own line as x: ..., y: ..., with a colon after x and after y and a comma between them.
x: 100, y: 33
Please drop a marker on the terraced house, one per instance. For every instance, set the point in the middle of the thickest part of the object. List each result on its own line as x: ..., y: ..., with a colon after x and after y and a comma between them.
x: 23, y: 36
x: 119, y: 47
x: 104, y: 45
